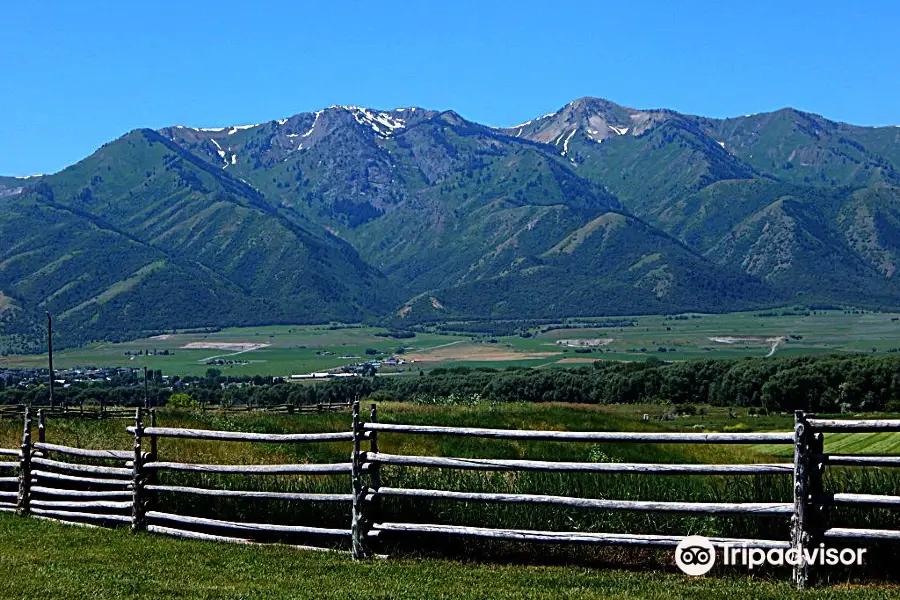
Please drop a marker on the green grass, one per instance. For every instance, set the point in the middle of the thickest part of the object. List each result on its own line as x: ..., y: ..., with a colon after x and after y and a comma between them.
x: 292, y: 349
x: 49, y: 561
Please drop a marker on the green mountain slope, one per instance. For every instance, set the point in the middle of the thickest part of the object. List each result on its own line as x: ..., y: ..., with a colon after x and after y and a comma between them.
x: 615, y: 265
x: 804, y: 203
x: 144, y: 236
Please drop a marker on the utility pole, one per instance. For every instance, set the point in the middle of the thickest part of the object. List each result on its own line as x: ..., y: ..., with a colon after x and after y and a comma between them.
x: 146, y: 394
x: 50, y: 357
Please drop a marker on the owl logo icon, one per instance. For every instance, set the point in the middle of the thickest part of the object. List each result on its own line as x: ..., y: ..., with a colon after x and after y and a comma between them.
x: 695, y: 555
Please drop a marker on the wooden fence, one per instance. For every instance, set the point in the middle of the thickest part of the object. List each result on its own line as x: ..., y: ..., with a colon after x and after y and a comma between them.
x: 285, y: 409
x: 54, y: 481
x: 17, y: 411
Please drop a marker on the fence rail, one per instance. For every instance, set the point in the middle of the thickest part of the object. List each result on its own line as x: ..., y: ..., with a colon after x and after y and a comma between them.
x: 588, y: 436
x: 288, y: 409
x: 92, y: 411
x: 66, y: 483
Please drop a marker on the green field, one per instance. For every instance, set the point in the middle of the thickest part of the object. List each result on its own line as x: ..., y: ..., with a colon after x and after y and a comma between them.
x: 293, y: 349
x: 49, y: 561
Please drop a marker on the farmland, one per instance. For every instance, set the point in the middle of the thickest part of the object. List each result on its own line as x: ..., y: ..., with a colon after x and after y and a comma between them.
x: 285, y: 350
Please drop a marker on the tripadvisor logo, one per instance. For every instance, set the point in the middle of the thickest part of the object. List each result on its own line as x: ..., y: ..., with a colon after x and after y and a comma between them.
x: 696, y: 555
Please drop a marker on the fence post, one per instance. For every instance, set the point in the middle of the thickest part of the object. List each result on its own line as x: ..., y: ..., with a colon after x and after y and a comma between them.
x: 152, y: 477
x: 42, y: 427
x: 358, y: 523
x: 817, y: 519
x: 799, y: 520
x: 138, y: 520
x: 374, y: 468
x: 23, y: 502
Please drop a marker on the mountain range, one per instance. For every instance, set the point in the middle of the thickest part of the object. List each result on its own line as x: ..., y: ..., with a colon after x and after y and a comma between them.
x: 409, y: 215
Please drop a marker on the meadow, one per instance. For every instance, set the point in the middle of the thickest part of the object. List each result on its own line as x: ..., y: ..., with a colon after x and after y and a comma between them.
x: 757, y: 488
x: 287, y: 350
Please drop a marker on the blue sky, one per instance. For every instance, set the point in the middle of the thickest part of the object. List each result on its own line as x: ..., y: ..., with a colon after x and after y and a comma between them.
x: 78, y: 74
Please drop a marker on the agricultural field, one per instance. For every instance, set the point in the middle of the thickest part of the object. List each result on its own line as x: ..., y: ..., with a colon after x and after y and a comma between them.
x: 287, y: 350
x: 733, y: 335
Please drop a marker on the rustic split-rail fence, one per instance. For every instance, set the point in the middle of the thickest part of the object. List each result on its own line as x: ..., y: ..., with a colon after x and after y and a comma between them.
x: 52, y: 481
x: 101, y: 411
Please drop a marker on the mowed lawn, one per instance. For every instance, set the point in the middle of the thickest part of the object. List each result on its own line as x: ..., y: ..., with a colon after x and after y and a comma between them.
x: 47, y: 561
x: 883, y: 444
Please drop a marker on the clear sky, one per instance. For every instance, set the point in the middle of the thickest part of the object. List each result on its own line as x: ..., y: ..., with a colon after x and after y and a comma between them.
x: 78, y: 74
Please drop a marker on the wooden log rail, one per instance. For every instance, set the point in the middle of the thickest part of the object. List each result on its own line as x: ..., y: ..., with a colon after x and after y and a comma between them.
x: 846, y: 533
x: 854, y: 425
x: 244, y: 526
x: 587, y: 436
x: 711, y: 508
x: 82, y: 468
x: 237, y: 436
x: 527, y: 535
x: 496, y: 464
x: 849, y: 460
x: 71, y: 451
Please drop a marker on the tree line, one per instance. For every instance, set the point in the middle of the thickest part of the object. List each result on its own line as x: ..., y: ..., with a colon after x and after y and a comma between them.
x: 828, y: 384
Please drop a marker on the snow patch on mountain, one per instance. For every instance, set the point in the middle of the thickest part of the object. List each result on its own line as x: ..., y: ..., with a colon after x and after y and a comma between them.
x: 316, y: 120
x: 235, y: 128
x: 382, y: 123
x: 565, y: 151
x: 220, y: 151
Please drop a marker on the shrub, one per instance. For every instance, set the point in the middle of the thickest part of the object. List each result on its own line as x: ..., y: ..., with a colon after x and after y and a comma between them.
x: 736, y: 428
x: 181, y: 401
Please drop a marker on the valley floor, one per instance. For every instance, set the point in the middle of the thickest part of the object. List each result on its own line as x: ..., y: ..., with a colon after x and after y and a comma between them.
x: 48, y: 561
x: 283, y: 350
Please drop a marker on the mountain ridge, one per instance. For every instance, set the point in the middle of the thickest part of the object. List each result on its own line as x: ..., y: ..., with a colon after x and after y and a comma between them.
x: 357, y: 213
